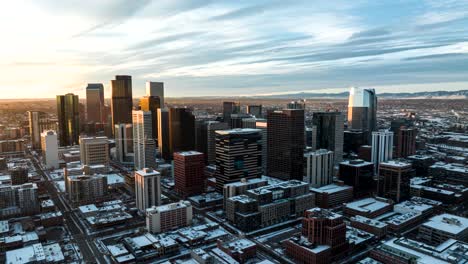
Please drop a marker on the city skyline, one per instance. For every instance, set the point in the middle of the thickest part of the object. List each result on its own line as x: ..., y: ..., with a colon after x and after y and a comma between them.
x: 266, y: 47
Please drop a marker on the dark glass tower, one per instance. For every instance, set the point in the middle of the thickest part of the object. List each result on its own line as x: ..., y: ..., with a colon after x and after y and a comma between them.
x: 330, y: 132
x: 286, y: 142
x: 181, y: 130
x: 95, y: 103
x: 68, y: 119
x: 121, y: 101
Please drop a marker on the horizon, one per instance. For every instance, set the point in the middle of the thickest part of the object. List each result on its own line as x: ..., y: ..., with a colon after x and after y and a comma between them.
x: 205, y: 48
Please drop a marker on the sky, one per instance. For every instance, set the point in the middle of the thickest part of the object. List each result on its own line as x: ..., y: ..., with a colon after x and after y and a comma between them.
x: 230, y: 48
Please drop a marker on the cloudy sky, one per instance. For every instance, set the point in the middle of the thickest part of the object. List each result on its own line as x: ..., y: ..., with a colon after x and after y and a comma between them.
x: 204, y: 47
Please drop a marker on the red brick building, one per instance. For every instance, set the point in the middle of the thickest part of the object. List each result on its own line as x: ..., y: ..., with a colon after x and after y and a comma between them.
x: 305, y: 252
x: 189, y: 173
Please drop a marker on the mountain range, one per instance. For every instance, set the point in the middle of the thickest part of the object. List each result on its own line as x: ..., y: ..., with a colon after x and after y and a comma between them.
x: 462, y: 94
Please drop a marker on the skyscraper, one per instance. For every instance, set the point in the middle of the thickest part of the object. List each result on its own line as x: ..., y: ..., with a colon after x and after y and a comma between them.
x: 230, y: 108
x: 121, y: 100
x: 156, y: 89
x: 95, y: 103
x: 299, y: 104
x: 181, y: 130
x: 382, y: 147
x: 329, y: 132
x: 189, y: 173
x: 38, y: 122
x: 362, y: 109
x: 394, y: 180
x: 255, y: 110
x: 147, y: 188
x: 68, y: 119
x: 319, y: 167
x: 163, y: 133
x: 406, y: 142
x: 151, y: 104
x: 144, y: 146
x: 285, y: 136
x: 238, y: 155
x: 211, y: 128
x: 49, y: 146
x: 124, y: 142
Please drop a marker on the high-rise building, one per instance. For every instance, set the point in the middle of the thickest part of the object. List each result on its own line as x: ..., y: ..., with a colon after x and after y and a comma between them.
x: 211, y: 128
x: 124, y: 142
x: 94, y: 151
x: 38, y: 122
x: 285, y: 136
x: 201, y: 135
x: 121, y: 100
x: 68, y: 119
x: 85, y: 189
x: 17, y: 200
x: 382, y: 147
x: 144, y: 146
x: 394, y: 180
x: 181, y: 130
x: 95, y: 103
x: 406, y: 142
x: 160, y: 219
x: 49, y: 147
x: 189, y: 173
x: 230, y: 108
x: 323, y: 227
x: 353, y: 140
x: 163, y: 133
x: 319, y: 167
x: 156, y: 89
x: 151, y: 104
x: 147, y: 188
x: 360, y: 175
x: 330, y: 132
x: 238, y: 155
x: 19, y: 175
x: 299, y: 104
x: 362, y: 109
x: 255, y: 110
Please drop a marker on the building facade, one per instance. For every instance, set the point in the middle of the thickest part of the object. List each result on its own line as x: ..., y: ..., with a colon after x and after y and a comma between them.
x: 189, y: 173
x: 121, y: 100
x: 160, y: 219
x: 319, y: 170
x: 147, y: 188
x: 144, y: 146
x: 68, y: 119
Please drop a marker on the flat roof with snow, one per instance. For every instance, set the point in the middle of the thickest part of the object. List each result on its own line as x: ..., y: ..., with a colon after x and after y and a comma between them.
x: 448, y: 223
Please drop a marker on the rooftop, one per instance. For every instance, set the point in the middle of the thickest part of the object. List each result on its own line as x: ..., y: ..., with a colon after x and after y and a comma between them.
x: 331, y: 188
x: 238, y: 131
x: 448, y: 223
x: 368, y: 221
x: 367, y: 205
x: 189, y: 153
x: 395, y: 163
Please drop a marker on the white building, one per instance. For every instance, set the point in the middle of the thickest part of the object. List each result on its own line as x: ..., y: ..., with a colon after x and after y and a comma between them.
x: 319, y: 167
x: 94, y: 151
x: 144, y: 147
x: 147, y: 188
x: 440, y: 228
x: 382, y: 147
x: 49, y: 147
x: 156, y: 89
x: 170, y: 216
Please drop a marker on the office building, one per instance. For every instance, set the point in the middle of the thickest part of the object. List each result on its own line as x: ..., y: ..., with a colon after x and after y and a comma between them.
x: 382, y: 147
x: 360, y: 175
x: 160, y: 219
x: 368, y: 207
x: 255, y: 110
x: 441, y: 228
x: 68, y: 119
x: 297, y: 105
x: 19, y: 175
x: 156, y: 89
x: 333, y: 195
x: 124, y: 142
x: 95, y: 103
x: 329, y: 132
x: 451, y: 173
x: 49, y: 146
x: 151, y: 104
x: 163, y: 133
x: 285, y: 136
x: 144, y: 146
x: 86, y: 189
x: 319, y: 169
x: 238, y: 155
x: 406, y: 142
x: 353, y: 140
x: 242, y: 186
x: 230, y: 108
x: 201, y: 136
x: 147, y: 188
x: 181, y: 130
x: 237, y: 120
x: 17, y: 200
x: 38, y: 122
x: 362, y: 109
x: 212, y: 127
x: 394, y: 180
x: 121, y: 100
x: 269, y: 205
x: 94, y: 151
x: 189, y: 173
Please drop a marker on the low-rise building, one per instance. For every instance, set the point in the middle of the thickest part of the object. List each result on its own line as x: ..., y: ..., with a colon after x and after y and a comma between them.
x: 239, y: 249
x: 332, y: 195
x: 375, y: 227
x: 368, y: 207
x: 167, y: 217
x: 442, y: 227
